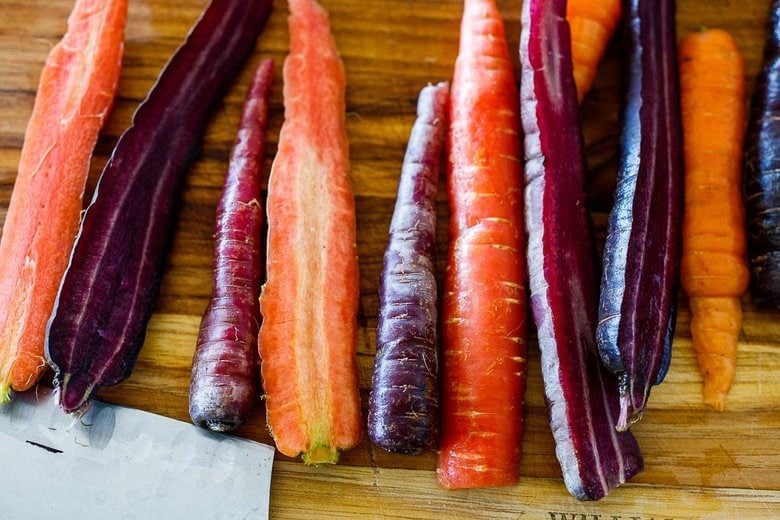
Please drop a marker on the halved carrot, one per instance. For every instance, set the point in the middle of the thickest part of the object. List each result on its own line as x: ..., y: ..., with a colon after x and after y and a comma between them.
x: 714, y: 269
x: 309, y: 301
x: 75, y: 95
x: 483, y: 311
x: 592, y: 24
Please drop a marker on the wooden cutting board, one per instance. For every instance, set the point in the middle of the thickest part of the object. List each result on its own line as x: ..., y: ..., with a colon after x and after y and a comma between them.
x: 699, y: 464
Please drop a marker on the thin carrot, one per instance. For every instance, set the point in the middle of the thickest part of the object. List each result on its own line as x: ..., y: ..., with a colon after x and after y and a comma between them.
x: 75, y: 94
x: 592, y: 24
x: 714, y: 270
x: 309, y: 301
x: 484, y: 298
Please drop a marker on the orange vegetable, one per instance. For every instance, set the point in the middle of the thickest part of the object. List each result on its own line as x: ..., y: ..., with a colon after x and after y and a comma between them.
x: 483, y: 311
x: 308, y: 337
x: 75, y: 94
x: 592, y: 24
x: 714, y: 270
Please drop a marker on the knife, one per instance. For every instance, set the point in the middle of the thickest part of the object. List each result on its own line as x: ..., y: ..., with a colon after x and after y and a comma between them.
x: 121, y: 463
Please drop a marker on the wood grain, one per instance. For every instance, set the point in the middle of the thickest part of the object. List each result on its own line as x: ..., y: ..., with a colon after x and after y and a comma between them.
x: 699, y: 464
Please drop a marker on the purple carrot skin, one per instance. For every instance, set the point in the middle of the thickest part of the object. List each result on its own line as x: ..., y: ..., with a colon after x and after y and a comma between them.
x: 642, y: 251
x: 224, y: 383
x: 106, y: 296
x: 762, y: 174
x: 403, y: 407
x: 582, y: 397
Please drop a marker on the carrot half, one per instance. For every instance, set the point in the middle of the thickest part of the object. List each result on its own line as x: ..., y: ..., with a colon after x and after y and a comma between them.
x: 483, y: 312
x: 309, y: 302
x: 714, y: 269
x: 592, y: 24
x: 75, y: 94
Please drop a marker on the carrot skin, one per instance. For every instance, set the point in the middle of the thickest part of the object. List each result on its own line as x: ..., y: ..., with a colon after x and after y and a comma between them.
x: 403, y: 407
x: 106, y: 296
x: 637, y: 305
x: 762, y: 174
x: 582, y: 396
x: 74, y: 98
x: 309, y: 302
x: 483, y: 311
x: 224, y: 383
x: 592, y: 24
x: 714, y: 271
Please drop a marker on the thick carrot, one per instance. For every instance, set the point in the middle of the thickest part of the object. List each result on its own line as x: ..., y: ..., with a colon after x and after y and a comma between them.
x: 592, y: 24
x: 714, y: 270
x: 484, y: 294
x: 75, y: 95
x: 309, y: 301
x: 224, y: 381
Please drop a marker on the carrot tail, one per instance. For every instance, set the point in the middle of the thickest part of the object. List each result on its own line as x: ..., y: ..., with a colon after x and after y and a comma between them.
x: 715, y: 326
x: 592, y: 24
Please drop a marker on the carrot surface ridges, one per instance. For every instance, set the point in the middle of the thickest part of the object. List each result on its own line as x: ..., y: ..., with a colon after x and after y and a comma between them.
x: 483, y: 314
x: 592, y: 23
x: 714, y: 271
x: 225, y: 372
x: 582, y: 396
x: 309, y: 302
x: 403, y: 412
x: 762, y: 174
x: 74, y: 97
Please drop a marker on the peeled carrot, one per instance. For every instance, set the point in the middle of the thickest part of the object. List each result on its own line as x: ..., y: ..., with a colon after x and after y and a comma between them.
x: 309, y: 301
x: 483, y: 312
x: 714, y: 270
x: 592, y: 24
x: 75, y: 95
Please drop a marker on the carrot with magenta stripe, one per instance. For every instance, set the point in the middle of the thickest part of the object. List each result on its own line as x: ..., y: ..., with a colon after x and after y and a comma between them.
x: 484, y: 294
x: 714, y: 271
x: 75, y: 95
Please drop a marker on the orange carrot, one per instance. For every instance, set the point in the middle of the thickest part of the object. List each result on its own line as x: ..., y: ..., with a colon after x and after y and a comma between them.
x: 75, y: 94
x: 484, y: 299
x: 714, y: 271
x: 592, y: 24
x: 309, y: 301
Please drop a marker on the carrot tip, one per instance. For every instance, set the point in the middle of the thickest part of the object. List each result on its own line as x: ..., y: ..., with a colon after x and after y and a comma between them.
x: 716, y: 402
x: 320, y: 455
x: 622, y: 422
x: 5, y: 393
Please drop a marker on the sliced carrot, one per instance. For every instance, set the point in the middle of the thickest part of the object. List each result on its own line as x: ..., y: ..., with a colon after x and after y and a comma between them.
x: 714, y: 270
x: 309, y: 301
x: 592, y: 24
x: 484, y: 294
x: 75, y: 94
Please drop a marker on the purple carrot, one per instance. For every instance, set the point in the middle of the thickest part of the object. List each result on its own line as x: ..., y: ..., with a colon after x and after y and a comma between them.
x: 762, y: 174
x: 642, y: 251
x: 582, y: 397
x: 224, y: 382
x: 403, y: 410
x: 107, y: 294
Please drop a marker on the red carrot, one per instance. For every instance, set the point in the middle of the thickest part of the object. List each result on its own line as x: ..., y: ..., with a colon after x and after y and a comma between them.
x: 484, y: 299
x: 714, y: 269
x: 592, y: 24
x: 75, y: 95
x: 309, y: 302
x: 224, y: 369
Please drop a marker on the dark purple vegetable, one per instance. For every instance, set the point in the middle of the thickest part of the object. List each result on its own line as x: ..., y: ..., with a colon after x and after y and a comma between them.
x: 224, y: 382
x: 582, y: 397
x: 762, y: 174
x: 105, y: 300
x: 403, y: 409
x: 642, y: 251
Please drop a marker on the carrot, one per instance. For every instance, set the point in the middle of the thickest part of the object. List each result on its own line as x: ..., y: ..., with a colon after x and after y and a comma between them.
x: 592, y: 24
x: 75, y: 94
x: 309, y: 302
x: 483, y: 313
x: 223, y: 386
x: 714, y: 271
